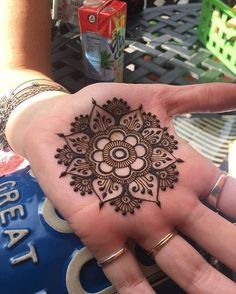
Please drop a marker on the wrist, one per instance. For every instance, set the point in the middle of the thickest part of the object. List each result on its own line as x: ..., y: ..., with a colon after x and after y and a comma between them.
x: 20, y: 125
x: 12, y: 78
x: 21, y: 93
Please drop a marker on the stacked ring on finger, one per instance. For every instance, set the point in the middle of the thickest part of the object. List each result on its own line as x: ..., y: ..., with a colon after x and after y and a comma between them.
x: 161, y: 244
x: 112, y: 257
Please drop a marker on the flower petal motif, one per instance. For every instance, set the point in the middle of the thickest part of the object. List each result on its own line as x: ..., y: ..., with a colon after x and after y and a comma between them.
x: 101, y: 142
x: 131, y: 139
x: 132, y: 120
x: 144, y: 187
x: 78, y: 142
x: 79, y: 167
x: 153, y: 135
x: 139, y: 164
x: 103, y: 169
x: 100, y: 119
x: 106, y: 188
x: 120, y: 153
x: 123, y: 172
x: 141, y: 150
x: 161, y: 158
x: 123, y: 157
x: 117, y: 136
x: 97, y: 156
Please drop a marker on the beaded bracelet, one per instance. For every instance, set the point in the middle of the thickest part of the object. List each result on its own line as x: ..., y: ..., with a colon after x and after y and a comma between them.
x: 9, y: 101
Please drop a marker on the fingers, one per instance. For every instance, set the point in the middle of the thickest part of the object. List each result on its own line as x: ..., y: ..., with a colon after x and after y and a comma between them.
x: 206, y: 180
x: 213, y: 97
x: 213, y: 233
x: 125, y: 275
x: 182, y: 263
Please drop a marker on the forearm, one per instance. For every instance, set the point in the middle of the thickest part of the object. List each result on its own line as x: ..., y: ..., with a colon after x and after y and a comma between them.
x: 25, y: 38
x: 25, y: 41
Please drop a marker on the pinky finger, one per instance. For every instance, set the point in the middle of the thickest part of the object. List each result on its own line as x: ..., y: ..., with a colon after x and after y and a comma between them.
x: 182, y: 263
x: 125, y: 275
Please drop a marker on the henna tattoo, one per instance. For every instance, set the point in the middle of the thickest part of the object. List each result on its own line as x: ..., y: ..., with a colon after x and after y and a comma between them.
x: 122, y: 156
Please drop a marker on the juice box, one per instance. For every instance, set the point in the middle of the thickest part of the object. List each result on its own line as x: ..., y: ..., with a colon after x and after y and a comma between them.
x: 102, y: 29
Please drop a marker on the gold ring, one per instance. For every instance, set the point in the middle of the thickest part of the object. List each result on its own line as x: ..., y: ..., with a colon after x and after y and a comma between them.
x: 214, y: 195
x: 112, y: 257
x: 161, y: 244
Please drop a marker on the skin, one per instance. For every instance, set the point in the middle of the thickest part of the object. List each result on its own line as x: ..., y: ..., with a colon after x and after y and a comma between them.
x: 51, y: 113
x: 181, y: 207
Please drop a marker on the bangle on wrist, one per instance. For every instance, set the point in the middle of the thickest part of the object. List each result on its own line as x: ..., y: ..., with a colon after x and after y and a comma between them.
x: 9, y: 101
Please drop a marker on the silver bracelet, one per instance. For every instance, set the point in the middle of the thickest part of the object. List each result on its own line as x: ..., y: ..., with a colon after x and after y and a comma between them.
x: 9, y: 101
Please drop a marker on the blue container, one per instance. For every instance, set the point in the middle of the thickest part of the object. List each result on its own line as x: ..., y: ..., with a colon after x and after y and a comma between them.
x: 40, y: 254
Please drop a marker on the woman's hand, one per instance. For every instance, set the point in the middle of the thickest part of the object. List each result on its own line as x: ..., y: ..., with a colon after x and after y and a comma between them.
x: 164, y: 171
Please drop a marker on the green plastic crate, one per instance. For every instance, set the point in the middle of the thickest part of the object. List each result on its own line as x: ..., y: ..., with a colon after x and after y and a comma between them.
x: 215, y: 35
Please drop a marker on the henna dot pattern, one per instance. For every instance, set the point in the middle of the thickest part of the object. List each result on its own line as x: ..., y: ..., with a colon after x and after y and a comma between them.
x: 122, y: 156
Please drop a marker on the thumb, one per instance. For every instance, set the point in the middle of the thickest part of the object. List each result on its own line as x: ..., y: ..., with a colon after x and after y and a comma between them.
x: 212, y: 97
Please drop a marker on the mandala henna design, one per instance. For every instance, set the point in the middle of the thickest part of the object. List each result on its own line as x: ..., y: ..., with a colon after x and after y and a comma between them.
x: 122, y: 156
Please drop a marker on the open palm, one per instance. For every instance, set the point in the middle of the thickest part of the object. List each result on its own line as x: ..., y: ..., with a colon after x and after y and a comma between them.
x: 123, y: 173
